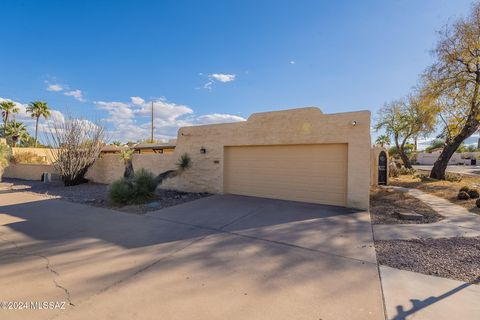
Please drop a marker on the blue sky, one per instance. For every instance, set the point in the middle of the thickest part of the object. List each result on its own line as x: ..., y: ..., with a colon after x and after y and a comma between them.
x: 213, y: 61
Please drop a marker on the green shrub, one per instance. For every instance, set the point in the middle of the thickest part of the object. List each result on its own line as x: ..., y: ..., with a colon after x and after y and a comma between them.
x: 462, y: 195
x: 120, y: 191
x: 406, y: 171
x: 136, y: 190
x: 184, y: 161
x: 473, y: 194
x: 452, y: 177
x: 144, y: 184
x: 465, y: 188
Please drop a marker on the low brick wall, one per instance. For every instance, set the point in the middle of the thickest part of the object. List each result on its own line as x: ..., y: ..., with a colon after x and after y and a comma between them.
x: 27, y: 171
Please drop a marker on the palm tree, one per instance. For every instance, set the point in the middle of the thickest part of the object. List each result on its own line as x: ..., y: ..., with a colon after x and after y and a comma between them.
x: 8, y: 108
x: 383, y: 140
x: 38, y: 109
x: 16, y: 131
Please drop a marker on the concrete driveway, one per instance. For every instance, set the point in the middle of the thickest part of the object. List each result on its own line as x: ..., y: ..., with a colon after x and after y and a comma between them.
x: 221, y: 257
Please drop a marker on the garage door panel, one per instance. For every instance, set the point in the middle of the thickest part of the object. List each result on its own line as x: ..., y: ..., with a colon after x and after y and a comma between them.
x: 310, y: 173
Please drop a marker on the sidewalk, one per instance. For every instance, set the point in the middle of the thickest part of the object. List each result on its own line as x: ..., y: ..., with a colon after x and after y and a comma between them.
x: 458, y: 222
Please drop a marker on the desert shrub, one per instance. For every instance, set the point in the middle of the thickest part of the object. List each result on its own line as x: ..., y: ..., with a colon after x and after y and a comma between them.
x: 144, y: 184
x: 120, y: 191
x: 473, y: 194
x: 184, y: 161
x: 477, y: 203
x: 465, y: 188
x: 28, y: 157
x: 452, y: 177
x: 423, y: 177
x: 462, y: 195
x: 406, y: 171
x: 136, y: 190
x: 4, y: 155
x: 393, y: 170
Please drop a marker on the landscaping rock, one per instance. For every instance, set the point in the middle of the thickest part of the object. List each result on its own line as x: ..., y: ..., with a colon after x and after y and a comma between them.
x: 455, y: 258
x: 409, y: 215
x: 153, y: 204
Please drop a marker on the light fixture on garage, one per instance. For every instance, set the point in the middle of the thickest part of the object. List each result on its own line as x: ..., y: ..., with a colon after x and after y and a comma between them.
x: 203, y: 150
x: 354, y: 123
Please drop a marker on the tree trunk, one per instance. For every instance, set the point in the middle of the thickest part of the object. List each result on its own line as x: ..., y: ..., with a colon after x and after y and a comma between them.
x: 164, y: 175
x: 439, y: 167
x: 36, y: 132
x: 129, y: 172
x: 405, y: 159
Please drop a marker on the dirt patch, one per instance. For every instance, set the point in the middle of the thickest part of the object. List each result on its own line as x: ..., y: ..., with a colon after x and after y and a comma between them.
x: 453, y: 258
x: 444, y: 189
x: 385, y: 205
x: 96, y: 194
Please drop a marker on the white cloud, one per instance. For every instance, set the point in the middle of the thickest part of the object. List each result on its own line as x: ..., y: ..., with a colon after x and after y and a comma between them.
x: 131, y: 121
x: 137, y: 100
x: 292, y: 62
x: 54, y: 87
x: 223, y: 77
x: 219, y: 118
x: 216, y: 77
x: 77, y: 94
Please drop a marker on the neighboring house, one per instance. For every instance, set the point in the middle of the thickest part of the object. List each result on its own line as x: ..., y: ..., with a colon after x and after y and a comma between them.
x: 425, y: 158
x: 112, y: 149
x: 142, y: 148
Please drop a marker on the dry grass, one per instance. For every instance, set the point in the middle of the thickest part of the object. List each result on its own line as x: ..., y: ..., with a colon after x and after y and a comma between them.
x: 386, y: 203
x: 444, y: 189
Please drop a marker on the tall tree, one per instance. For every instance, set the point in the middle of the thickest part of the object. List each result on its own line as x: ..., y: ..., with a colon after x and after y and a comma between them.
x: 38, y: 109
x: 8, y: 108
x: 454, y: 82
x: 16, y: 132
x: 383, y: 140
x: 76, y: 144
x: 406, y: 119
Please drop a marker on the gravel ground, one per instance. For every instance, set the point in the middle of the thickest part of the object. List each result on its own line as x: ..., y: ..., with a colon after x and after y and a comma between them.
x: 454, y: 258
x: 386, y: 203
x: 96, y: 194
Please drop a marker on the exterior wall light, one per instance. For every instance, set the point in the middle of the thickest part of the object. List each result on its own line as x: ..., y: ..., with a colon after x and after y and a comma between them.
x: 203, y: 150
x: 354, y: 123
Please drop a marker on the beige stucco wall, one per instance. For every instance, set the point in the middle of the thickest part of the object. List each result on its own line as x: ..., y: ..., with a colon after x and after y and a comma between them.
x: 106, y: 169
x: 295, y: 126
x: 27, y: 171
x: 375, y: 153
x: 110, y: 167
x: 46, y: 153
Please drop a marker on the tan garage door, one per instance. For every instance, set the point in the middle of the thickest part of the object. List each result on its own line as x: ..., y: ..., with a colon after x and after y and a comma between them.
x: 310, y: 173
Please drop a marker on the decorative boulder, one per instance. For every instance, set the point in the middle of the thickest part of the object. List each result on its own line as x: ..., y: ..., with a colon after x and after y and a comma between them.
x: 473, y: 194
x: 462, y: 195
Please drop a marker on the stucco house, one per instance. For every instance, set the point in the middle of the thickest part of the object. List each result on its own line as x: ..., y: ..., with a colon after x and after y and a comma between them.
x: 297, y: 154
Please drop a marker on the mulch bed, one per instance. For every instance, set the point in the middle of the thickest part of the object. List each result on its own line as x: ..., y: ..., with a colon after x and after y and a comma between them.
x: 454, y: 258
x: 385, y: 205
x: 96, y: 194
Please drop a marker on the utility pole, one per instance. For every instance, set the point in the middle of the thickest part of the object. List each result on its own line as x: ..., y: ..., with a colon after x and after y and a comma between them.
x: 151, y: 136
